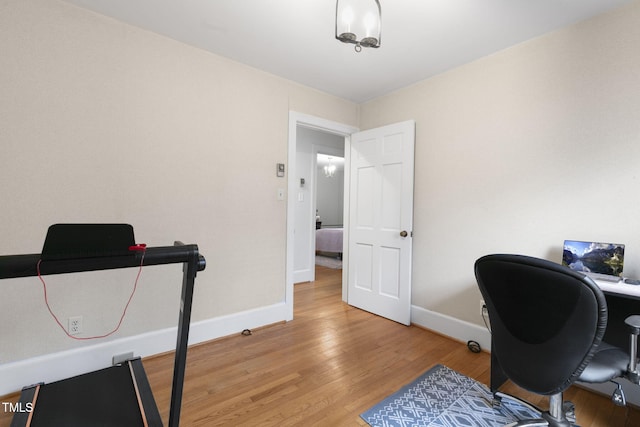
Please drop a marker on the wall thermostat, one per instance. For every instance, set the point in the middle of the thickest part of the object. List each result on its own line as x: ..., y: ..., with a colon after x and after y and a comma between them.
x: 280, y: 169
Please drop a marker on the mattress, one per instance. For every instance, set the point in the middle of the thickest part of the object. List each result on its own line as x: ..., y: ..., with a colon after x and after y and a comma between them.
x: 329, y: 240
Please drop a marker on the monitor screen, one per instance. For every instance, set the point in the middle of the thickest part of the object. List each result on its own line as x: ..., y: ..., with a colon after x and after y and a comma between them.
x: 594, y: 257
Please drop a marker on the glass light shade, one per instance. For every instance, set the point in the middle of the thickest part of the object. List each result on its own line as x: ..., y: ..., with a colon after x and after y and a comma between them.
x: 329, y: 170
x: 358, y: 22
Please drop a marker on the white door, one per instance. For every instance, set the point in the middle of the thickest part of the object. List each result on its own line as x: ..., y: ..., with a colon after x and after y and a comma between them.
x: 381, y: 220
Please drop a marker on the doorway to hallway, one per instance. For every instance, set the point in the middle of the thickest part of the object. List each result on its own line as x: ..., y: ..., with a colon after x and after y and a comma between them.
x: 300, y: 212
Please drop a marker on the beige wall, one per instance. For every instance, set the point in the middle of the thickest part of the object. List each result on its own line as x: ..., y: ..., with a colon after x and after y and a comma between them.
x: 104, y: 122
x: 520, y: 150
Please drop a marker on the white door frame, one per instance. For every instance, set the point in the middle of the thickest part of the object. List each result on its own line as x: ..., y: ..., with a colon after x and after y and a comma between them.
x: 299, y: 119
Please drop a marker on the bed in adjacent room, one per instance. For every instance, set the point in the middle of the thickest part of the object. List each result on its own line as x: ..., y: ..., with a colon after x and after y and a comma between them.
x: 329, y: 240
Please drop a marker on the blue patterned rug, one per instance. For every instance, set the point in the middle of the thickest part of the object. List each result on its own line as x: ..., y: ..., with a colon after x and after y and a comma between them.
x: 444, y: 397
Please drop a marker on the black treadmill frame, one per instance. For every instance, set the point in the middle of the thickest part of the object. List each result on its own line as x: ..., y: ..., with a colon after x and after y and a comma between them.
x: 15, y: 266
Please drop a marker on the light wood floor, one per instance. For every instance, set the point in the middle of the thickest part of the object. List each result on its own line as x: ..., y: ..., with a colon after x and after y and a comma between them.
x: 328, y: 365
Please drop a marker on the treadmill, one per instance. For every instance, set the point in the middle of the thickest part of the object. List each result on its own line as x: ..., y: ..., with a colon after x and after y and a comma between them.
x: 118, y: 395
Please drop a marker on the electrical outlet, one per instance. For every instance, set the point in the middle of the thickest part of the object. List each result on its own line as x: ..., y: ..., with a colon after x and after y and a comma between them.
x: 75, y: 325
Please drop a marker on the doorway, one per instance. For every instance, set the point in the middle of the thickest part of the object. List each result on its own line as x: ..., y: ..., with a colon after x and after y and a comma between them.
x: 329, y: 206
x: 310, y: 213
x: 300, y: 218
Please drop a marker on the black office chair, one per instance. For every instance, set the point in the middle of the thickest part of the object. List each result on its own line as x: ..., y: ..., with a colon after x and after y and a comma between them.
x: 547, y: 324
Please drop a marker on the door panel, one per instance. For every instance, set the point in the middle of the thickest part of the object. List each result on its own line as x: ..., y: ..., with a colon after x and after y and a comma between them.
x: 391, y: 210
x: 390, y: 272
x: 366, y: 200
x: 364, y: 259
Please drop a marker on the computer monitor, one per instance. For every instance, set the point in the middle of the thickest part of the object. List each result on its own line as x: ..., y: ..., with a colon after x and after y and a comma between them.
x: 593, y: 258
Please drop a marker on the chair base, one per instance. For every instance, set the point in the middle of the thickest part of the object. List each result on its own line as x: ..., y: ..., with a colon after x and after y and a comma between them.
x: 560, y: 414
x: 618, y: 397
x: 546, y: 420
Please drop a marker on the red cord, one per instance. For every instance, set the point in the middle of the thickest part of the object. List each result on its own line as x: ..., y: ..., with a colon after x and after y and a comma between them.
x: 124, y: 312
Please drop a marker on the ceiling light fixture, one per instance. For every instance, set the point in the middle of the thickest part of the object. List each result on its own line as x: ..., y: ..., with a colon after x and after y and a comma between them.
x: 358, y: 18
x: 330, y: 169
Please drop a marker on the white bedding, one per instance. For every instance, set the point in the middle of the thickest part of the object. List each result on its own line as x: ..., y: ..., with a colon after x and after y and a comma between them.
x: 329, y: 240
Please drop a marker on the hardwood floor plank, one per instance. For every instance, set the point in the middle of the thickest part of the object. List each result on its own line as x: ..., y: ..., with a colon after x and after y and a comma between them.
x: 324, y: 368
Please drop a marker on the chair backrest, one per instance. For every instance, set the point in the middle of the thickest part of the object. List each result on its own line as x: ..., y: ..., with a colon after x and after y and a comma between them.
x: 546, y: 320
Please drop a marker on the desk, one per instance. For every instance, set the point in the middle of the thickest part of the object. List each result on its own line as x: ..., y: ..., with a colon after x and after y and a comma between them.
x: 619, y: 288
x: 623, y: 300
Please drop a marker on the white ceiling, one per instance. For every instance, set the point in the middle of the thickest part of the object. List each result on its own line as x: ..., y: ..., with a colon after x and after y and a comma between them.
x: 295, y: 39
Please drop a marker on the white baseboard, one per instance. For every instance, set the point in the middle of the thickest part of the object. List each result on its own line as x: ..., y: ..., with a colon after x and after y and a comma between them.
x: 306, y: 275
x: 450, y: 326
x: 69, y: 363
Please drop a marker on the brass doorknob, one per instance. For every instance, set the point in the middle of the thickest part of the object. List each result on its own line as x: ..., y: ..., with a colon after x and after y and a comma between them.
x: 404, y: 233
